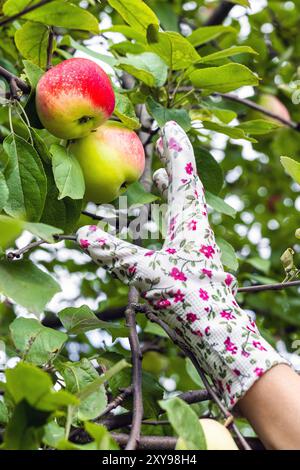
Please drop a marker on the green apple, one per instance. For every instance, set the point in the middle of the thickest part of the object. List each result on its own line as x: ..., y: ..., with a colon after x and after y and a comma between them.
x: 216, y: 435
x: 111, y: 158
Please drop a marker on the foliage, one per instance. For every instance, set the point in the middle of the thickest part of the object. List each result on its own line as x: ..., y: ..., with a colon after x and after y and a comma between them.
x: 68, y: 340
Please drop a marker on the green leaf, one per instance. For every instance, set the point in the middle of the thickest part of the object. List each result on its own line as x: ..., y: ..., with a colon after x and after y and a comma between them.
x: 224, y: 78
x: 65, y: 15
x: 185, y: 423
x: 219, y: 205
x: 37, y: 343
x: 258, y: 127
x: 244, y: 3
x: 260, y: 264
x: 101, y: 436
x: 67, y: 172
x: 291, y: 167
x: 209, y: 170
x: 124, y: 109
x: 136, y: 195
x: 62, y: 213
x: 208, y: 33
x: 135, y: 12
x: 127, y: 31
x: 79, y: 375
x: 4, y: 193
x: 108, y: 59
x: 228, y: 256
x: 28, y: 382
x: 33, y: 72
x: 147, y: 67
x: 175, y: 50
x: 43, y: 231
x: 25, y: 178
x: 163, y: 115
x: 11, y: 7
x: 80, y: 319
x: 32, y: 40
x: 26, y: 284
x: 232, y: 132
x: 91, y: 388
x: 230, y: 52
x: 53, y: 434
x: 10, y: 229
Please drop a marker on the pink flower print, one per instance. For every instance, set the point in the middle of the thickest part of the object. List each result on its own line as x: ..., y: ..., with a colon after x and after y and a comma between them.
x: 84, y: 243
x: 203, y: 294
x: 245, y: 354
x: 234, y: 303
x: 196, y: 193
x: 191, y: 317
x: 177, y: 275
x: 192, y: 225
x: 258, y: 345
x: 174, y: 145
x: 179, y: 296
x: 101, y: 241
x: 228, y: 388
x: 184, y: 180
x: 132, y: 270
x: 232, y: 400
x: 178, y: 332
x: 207, y: 331
x: 163, y: 303
x: 230, y: 346
x: 197, y: 333
x: 237, y: 372
x: 207, y: 251
x: 189, y: 168
x: 227, y: 315
x: 93, y: 228
x: 252, y: 327
x: 149, y: 253
x: 258, y: 371
x: 171, y: 251
x: 228, y: 280
x: 207, y: 272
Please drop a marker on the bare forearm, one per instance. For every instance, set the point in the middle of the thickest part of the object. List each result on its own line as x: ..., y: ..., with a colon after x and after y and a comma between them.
x: 272, y: 406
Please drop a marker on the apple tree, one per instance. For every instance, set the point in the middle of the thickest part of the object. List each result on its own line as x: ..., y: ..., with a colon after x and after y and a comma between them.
x: 227, y: 72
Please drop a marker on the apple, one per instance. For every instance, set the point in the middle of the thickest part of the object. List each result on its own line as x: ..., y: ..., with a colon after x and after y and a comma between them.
x: 73, y: 98
x: 273, y: 104
x: 112, y: 157
x: 216, y: 435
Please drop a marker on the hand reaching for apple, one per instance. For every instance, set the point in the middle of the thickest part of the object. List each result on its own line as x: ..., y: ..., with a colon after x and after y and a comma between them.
x: 184, y: 282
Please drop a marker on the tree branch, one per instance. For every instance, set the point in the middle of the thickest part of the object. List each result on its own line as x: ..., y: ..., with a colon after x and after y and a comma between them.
x: 18, y: 253
x: 15, y: 83
x: 12, y: 18
x: 136, y: 356
x: 265, y: 287
x: 257, y: 107
x: 50, y: 48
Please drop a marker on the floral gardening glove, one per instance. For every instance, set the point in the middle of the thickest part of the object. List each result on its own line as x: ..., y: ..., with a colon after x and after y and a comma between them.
x: 185, y: 282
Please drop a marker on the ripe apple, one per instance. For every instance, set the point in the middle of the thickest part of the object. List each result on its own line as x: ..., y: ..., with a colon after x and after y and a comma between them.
x: 273, y: 104
x: 73, y: 98
x: 216, y: 435
x: 111, y: 158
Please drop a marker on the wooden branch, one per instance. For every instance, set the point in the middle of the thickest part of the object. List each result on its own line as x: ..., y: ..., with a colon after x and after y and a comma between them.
x: 15, y: 83
x: 136, y: 357
x: 265, y: 287
x: 148, y: 442
x: 118, y: 400
x: 257, y: 107
x: 16, y: 254
x: 50, y: 48
x: 12, y: 18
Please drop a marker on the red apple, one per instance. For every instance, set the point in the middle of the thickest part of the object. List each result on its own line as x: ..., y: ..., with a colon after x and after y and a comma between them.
x: 73, y: 98
x: 111, y: 158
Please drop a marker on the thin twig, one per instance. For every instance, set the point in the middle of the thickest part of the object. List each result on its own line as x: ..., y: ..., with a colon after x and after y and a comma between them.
x: 12, y: 18
x: 117, y: 401
x: 50, y: 48
x: 257, y: 107
x: 265, y: 287
x: 14, y: 81
x: 136, y: 357
x: 16, y: 254
x: 219, y: 14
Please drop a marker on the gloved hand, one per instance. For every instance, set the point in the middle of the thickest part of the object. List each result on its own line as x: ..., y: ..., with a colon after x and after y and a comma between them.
x: 185, y: 283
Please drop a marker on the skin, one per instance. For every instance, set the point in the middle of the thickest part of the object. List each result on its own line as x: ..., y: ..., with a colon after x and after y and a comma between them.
x: 111, y: 158
x: 272, y: 407
x: 73, y: 98
x: 273, y: 104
